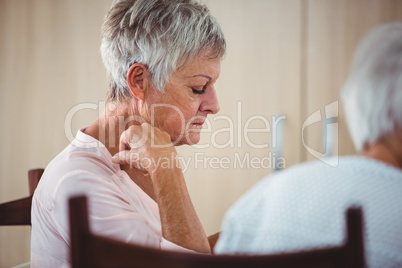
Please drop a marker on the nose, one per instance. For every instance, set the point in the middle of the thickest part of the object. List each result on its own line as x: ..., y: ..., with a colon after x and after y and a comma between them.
x: 210, y: 105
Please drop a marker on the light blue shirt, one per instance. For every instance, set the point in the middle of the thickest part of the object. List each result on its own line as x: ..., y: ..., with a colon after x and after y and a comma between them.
x: 304, y: 207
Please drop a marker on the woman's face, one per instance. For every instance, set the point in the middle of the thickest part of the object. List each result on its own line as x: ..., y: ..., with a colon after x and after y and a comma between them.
x: 189, y: 97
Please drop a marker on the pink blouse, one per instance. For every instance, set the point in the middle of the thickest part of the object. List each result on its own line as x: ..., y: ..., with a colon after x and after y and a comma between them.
x: 117, y: 207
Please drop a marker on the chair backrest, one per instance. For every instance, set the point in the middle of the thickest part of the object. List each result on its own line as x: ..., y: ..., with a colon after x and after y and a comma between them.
x: 34, y: 176
x: 18, y: 212
x: 90, y: 250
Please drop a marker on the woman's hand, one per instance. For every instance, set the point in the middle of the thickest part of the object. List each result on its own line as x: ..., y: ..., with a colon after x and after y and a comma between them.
x: 145, y: 148
x: 151, y: 151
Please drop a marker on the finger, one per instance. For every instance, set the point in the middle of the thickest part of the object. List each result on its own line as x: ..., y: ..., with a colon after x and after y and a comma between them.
x: 130, y: 158
x: 134, y: 137
x: 127, y: 157
x: 124, y: 141
x: 128, y: 137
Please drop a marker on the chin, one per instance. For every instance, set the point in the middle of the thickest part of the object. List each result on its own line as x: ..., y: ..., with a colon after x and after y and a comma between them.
x: 194, y: 141
x: 190, y: 139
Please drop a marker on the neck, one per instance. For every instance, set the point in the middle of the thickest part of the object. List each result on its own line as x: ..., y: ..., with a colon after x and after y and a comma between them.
x: 387, y: 150
x: 111, y: 124
x: 108, y: 128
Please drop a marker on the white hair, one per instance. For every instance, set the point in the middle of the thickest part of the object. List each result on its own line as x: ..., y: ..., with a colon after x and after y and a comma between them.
x: 372, y: 95
x: 161, y: 34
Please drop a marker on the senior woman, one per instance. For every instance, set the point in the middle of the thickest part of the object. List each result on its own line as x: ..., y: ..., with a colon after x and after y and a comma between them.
x: 162, y: 59
x: 303, y: 207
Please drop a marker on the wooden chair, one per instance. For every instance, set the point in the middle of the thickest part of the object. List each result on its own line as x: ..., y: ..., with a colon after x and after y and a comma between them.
x: 90, y: 250
x: 18, y: 212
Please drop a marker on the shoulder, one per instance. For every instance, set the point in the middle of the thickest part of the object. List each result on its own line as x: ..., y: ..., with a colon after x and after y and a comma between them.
x: 287, y: 209
x: 96, y: 159
x: 288, y: 195
x: 279, y: 208
x: 76, y: 170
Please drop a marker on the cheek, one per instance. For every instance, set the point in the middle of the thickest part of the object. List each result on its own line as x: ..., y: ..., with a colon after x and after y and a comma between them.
x: 177, y: 121
x: 191, y: 109
x: 171, y: 119
x: 183, y: 114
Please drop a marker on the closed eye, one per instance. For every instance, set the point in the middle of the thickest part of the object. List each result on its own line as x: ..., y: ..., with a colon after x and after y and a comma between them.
x: 197, y: 91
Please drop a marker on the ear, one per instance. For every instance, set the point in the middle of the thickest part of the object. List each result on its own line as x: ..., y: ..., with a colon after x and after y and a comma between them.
x: 137, y: 80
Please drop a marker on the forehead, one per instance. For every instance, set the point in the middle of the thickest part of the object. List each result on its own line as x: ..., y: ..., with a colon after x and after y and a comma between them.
x: 201, y: 65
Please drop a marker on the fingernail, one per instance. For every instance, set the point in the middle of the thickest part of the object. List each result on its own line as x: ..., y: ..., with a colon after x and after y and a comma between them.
x: 116, y: 159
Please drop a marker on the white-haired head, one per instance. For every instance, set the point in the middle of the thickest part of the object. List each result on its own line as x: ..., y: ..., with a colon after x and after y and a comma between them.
x: 372, y: 95
x: 163, y: 35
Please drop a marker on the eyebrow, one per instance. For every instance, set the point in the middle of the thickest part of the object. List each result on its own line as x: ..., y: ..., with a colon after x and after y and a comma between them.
x: 203, y: 75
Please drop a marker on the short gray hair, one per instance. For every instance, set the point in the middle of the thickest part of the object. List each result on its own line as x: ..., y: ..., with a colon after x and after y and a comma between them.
x: 372, y: 95
x: 161, y: 34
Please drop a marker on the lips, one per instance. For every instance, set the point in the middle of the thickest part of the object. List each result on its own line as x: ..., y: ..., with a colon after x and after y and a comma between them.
x: 198, y: 124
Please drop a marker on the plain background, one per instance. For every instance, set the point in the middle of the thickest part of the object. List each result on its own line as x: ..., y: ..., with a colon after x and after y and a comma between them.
x: 284, y: 57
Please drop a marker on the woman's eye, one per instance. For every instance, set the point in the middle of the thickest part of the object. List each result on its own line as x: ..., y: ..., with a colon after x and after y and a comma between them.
x: 198, y: 91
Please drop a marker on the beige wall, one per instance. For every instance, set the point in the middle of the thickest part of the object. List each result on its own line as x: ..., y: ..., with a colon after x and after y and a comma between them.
x: 333, y: 30
x: 285, y: 57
